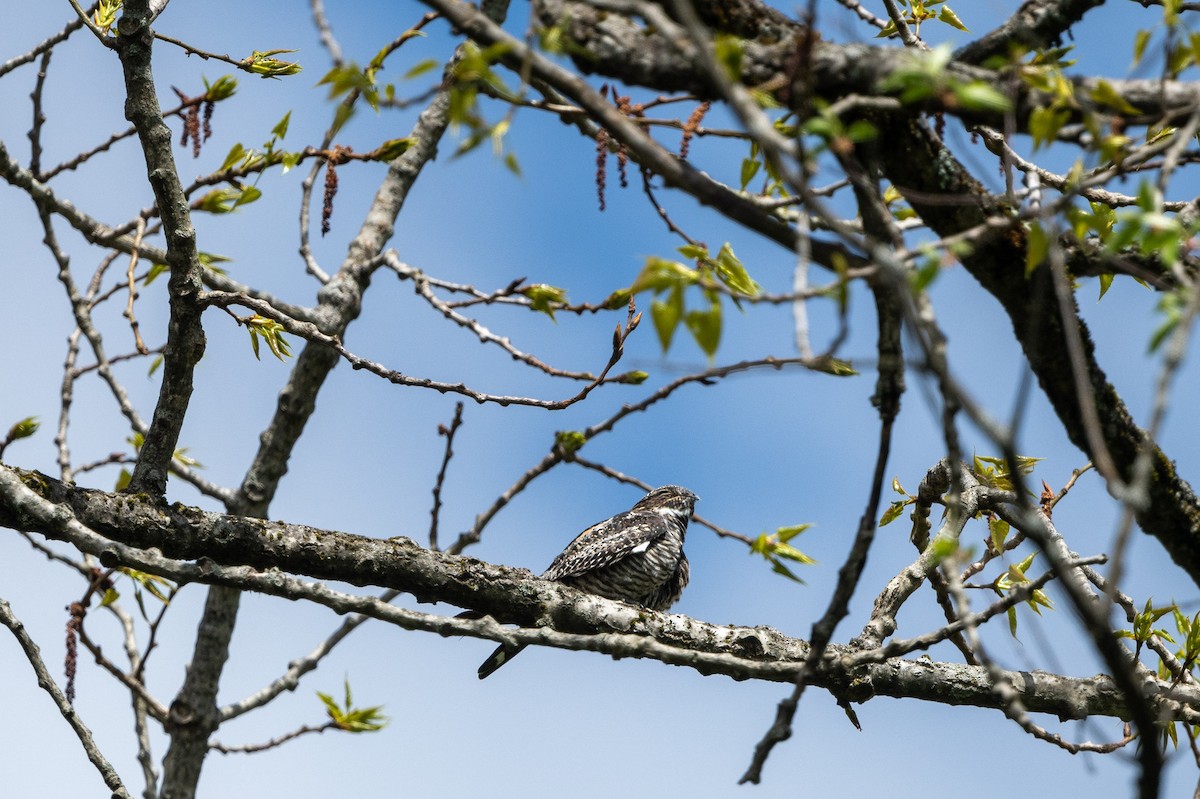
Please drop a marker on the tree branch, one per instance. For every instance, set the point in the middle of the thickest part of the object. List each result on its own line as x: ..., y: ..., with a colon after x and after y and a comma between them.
x: 47, y: 684
x: 185, y: 336
x: 186, y: 545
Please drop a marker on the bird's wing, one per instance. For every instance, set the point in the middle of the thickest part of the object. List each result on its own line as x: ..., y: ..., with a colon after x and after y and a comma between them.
x: 606, y: 543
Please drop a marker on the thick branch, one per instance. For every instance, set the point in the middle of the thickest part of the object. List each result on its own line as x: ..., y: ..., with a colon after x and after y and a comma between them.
x: 1035, y: 25
x: 612, y: 44
x: 259, y: 555
x: 950, y: 201
x: 185, y: 336
x: 641, y: 146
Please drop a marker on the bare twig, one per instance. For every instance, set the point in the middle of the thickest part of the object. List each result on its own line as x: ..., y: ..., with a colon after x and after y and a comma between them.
x: 47, y: 684
x: 227, y: 749
x: 133, y: 258
x: 620, y: 477
x: 325, y: 31
x: 448, y: 432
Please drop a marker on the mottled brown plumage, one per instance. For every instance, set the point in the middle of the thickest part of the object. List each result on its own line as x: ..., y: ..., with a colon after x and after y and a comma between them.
x: 636, y: 556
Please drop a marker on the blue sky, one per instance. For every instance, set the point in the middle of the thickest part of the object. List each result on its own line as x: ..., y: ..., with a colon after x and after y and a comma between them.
x: 760, y: 450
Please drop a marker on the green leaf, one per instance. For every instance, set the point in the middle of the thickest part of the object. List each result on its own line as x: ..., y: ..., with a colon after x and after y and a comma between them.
x: 782, y: 569
x: 951, y: 19
x: 893, y: 512
x: 1169, y: 323
x: 833, y: 366
x: 980, y: 96
x: 237, y: 154
x: 156, y: 586
x: 208, y: 260
x: 225, y: 200
x: 926, y: 273
x: 705, y: 327
x: 569, y: 441
x: 1106, y: 280
x: 750, y: 168
x: 340, y: 117
x: 544, y: 298
x: 998, y: 530
x: 618, y: 299
x: 421, y: 67
x: 265, y: 66
x: 1037, y: 246
x: 249, y: 194
x: 660, y: 274
x: 23, y: 429
x: 942, y: 547
x: 271, y: 332
x: 666, y: 316
x: 861, y: 130
x: 1140, y: 40
x: 289, y: 161
x: 344, y: 79
x: 733, y: 274
x: 1045, y: 123
x: 349, y: 718
x: 788, y: 533
x: 180, y: 456
x: 1170, y: 731
x: 729, y: 52
x: 281, y: 127
x: 1106, y: 94
x: 393, y: 149
x: 774, y: 547
x: 105, y: 15
x: 1038, y: 600
x: 791, y: 553
x: 1025, y: 565
x: 220, y: 89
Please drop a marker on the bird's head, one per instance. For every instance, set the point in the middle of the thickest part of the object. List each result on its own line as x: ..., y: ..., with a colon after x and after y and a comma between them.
x: 669, y: 498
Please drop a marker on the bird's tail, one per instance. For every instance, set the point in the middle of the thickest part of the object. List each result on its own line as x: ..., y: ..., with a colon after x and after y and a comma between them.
x: 502, y: 655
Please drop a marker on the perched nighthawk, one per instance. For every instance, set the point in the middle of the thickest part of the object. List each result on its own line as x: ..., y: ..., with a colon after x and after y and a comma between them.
x: 636, y: 556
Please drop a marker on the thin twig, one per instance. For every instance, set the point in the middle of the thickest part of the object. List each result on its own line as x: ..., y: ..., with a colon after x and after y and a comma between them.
x: 133, y: 259
x: 227, y: 749
x: 448, y: 432
x: 47, y: 684
x: 621, y: 477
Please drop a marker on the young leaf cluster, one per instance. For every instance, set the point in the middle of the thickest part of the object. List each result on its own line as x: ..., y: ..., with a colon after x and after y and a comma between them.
x: 924, y: 77
x: 265, y: 65
x: 917, y: 12
x: 467, y: 76
x: 271, y: 332
x: 776, y: 548
x: 348, y: 718
x: 22, y: 429
x: 143, y: 583
x: 1015, y: 576
x: 241, y: 159
x: 995, y: 473
x: 544, y: 298
x: 669, y: 281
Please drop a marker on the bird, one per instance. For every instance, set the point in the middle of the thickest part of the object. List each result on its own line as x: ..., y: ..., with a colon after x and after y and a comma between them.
x: 636, y: 556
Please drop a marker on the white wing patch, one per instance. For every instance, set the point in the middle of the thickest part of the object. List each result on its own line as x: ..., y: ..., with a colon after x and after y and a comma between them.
x: 640, y: 548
